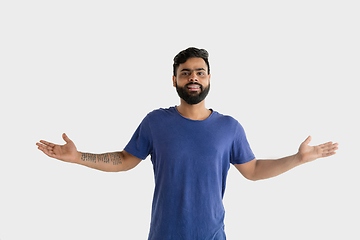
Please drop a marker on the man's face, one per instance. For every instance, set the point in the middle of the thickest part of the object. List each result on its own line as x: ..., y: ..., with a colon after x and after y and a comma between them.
x: 192, y: 81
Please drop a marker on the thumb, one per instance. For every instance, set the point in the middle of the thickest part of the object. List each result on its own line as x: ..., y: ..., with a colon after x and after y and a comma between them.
x: 307, y: 140
x: 65, y: 137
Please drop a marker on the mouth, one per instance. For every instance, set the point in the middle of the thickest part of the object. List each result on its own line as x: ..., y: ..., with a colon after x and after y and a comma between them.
x: 193, y: 87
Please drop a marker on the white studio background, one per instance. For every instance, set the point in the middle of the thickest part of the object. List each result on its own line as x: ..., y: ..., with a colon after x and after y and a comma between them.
x: 94, y: 69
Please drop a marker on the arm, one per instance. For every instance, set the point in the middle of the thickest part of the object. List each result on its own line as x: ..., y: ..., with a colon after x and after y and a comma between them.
x: 108, y: 162
x: 263, y: 169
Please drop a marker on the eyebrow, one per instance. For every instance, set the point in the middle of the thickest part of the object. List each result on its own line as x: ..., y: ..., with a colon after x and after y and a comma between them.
x: 189, y: 70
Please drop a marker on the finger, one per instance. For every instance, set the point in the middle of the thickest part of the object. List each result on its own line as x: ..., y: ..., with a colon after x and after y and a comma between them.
x: 329, y: 146
x: 307, y: 140
x: 41, y: 146
x: 45, y: 146
x: 326, y: 145
x: 65, y: 137
x: 47, y: 143
x: 331, y: 150
x: 50, y: 154
x: 328, y: 154
x: 46, y: 150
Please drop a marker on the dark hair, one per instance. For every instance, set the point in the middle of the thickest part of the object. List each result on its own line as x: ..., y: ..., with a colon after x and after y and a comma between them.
x: 191, y: 52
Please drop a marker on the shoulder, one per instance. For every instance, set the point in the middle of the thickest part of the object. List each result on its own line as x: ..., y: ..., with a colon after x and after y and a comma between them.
x: 161, y: 112
x: 229, y: 124
x: 225, y: 119
x: 160, y: 115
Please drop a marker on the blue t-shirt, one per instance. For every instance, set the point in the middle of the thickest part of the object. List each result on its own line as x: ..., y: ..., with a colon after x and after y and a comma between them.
x: 191, y: 160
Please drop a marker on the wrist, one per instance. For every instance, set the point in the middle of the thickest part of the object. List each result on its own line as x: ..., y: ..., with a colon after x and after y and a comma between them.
x: 298, y: 159
x: 78, y: 158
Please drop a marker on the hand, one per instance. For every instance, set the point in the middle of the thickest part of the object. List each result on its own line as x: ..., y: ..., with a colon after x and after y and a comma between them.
x: 310, y: 153
x: 66, y: 152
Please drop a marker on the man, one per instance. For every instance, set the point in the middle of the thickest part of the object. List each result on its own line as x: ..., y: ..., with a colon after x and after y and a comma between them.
x: 191, y: 149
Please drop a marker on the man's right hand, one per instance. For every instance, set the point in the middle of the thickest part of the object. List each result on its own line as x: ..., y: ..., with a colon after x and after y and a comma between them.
x: 66, y: 152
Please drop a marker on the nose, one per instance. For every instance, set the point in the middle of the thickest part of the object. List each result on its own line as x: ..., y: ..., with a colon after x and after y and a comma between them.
x: 193, y: 77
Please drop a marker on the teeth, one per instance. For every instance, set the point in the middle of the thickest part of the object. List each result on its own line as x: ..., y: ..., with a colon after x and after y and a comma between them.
x: 193, y: 86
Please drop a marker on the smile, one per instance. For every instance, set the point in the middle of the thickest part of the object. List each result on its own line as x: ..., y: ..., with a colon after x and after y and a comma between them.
x: 193, y: 86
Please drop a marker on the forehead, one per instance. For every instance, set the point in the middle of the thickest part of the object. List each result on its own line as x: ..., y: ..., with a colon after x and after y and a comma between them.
x: 193, y: 63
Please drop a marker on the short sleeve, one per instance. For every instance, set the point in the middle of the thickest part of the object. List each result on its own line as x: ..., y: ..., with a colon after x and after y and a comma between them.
x: 240, y: 150
x: 140, y: 144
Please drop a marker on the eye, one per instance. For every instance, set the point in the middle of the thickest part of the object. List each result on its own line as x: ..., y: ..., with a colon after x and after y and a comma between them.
x: 185, y: 73
x: 201, y: 73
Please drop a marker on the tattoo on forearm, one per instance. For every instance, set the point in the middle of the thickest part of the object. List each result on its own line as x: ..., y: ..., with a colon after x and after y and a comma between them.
x: 105, y: 158
x: 115, y: 159
x: 88, y: 157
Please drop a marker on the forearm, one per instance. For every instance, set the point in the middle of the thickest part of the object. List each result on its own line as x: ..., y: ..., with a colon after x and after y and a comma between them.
x: 108, y: 162
x: 270, y: 168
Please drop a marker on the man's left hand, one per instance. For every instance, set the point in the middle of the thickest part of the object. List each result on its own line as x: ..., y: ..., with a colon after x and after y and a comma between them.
x: 310, y: 153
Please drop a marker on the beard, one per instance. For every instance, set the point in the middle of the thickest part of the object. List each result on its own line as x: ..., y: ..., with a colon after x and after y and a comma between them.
x: 192, y: 98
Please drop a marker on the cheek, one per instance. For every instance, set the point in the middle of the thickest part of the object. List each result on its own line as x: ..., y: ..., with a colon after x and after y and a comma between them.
x: 205, y: 81
x: 180, y: 81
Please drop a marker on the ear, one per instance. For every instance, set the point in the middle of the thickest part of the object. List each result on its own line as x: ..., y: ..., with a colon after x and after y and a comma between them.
x: 209, y: 78
x: 174, y: 81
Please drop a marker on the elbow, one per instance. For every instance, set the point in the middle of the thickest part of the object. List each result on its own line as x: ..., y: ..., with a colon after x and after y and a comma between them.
x: 126, y: 168
x: 122, y: 168
x: 249, y: 177
x: 252, y: 177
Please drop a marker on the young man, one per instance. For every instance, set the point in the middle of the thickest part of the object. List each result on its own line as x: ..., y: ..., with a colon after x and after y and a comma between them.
x: 191, y: 149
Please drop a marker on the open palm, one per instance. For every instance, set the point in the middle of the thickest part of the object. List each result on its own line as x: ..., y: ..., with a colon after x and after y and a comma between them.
x: 309, y: 153
x: 66, y: 152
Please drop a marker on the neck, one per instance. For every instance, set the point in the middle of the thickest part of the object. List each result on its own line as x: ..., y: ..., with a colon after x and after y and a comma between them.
x: 194, y: 112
